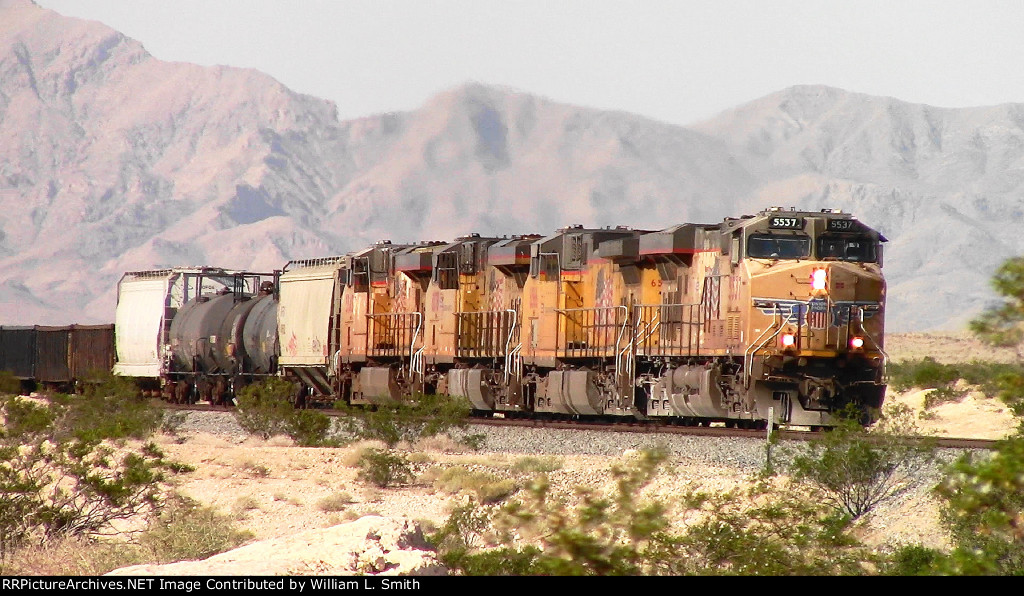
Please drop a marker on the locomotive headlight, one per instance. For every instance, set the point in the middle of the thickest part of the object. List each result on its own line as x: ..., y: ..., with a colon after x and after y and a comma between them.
x: 857, y: 343
x: 819, y: 280
x: 788, y: 340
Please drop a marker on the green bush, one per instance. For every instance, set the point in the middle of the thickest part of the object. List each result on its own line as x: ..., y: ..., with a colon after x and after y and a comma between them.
x: 984, y: 511
x: 543, y: 535
x: 104, y: 383
x: 854, y: 469
x: 9, y: 385
x: 771, y: 530
x: 384, y: 468
x: 310, y: 428
x: 925, y: 373
x: 61, y: 477
x: 941, y: 395
x: 96, y: 417
x: 395, y: 421
x: 993, y: 378
x: 913, y: 560
x: 264, y: 408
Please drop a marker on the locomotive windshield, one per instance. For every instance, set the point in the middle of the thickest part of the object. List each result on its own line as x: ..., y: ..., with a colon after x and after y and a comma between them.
x: 858, y: 249
x: 772, y: 246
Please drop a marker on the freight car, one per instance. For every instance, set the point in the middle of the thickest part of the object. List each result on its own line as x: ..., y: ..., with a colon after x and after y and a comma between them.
x: 56, y: 357
x: 777, y: 317
x: 196, y: 333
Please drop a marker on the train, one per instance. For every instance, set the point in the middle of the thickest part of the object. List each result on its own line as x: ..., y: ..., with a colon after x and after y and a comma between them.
x: 771, y: 318
x: 57, y: 357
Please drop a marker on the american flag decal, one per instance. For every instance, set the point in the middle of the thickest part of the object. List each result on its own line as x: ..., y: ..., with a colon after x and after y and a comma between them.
x: 817, y: 314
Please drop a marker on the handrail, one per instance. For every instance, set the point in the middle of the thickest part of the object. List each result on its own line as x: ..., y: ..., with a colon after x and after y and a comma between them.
x: 415, y: 334
x: 511, y: 328
x: 513, y: 361
x: 416, y: 363
x: 659, y: 323
x: 488, y: 325
x: 885, y: 355
x: 749, y: 360
x: 595, y: 309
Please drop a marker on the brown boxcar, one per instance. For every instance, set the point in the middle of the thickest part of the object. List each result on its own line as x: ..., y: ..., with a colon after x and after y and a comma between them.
x: 92, y: 349
x: 53, y: 354
x: 18, y: 351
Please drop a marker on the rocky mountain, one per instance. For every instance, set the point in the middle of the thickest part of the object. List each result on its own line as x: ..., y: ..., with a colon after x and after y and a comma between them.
x: 114, y: 161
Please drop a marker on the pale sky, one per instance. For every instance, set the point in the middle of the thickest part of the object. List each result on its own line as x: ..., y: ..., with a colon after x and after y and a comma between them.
x: 678, y: 61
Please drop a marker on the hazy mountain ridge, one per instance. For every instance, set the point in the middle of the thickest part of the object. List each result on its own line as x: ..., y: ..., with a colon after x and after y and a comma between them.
x: 943, y: 184
x: 113, y: 161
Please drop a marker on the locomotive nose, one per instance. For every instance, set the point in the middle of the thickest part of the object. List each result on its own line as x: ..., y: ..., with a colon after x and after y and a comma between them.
x: 820, y: 308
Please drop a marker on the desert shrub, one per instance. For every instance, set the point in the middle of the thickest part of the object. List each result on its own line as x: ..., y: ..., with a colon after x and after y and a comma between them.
x: 984, y: 511
x: 942, y: 395
x: 1011, y: 390
x: 335, y: 502
x: 395, y: 421
x: 60, y: 476
x: 255, y: 468
x: 72, y: 555
x: 50, y: 490
x: 765, y: 530
x: 264, y: 409
x: 461, y: 543
x: 853, y: 470
x: 912, y: 560
x: 243, y: 504
x: 768, y: 530
x: 104, y: 383
x: 384, y: 468
x: 418, y: 457
x: 535, y: 465
x: 186, y: 531
x: 98, y: 417
x: 487, y: 488
x: 310, y: 428
x: 25, y: 417
x: 924, y: 373
x: 986, y: 374
x: 993, y: 378
x: 474, y: 441
x: 9, y: 385
x: 543, y: 534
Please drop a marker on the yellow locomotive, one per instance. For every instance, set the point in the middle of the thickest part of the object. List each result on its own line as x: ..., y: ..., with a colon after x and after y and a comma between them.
x: 777, y: 316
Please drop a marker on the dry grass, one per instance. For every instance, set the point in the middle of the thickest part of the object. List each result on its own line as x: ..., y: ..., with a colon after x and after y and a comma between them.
x: 335, y: 502
x: 486, y: 487
x: 72, y: 556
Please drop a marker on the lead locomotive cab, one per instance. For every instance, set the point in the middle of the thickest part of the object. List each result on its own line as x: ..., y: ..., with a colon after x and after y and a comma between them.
x: 817, y: 306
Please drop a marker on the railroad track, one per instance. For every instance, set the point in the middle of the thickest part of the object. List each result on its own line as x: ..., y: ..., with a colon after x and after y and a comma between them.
x: 634, y: 426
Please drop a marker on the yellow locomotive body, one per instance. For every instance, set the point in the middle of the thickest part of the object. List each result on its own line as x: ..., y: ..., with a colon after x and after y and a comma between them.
x: 774, y: 317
